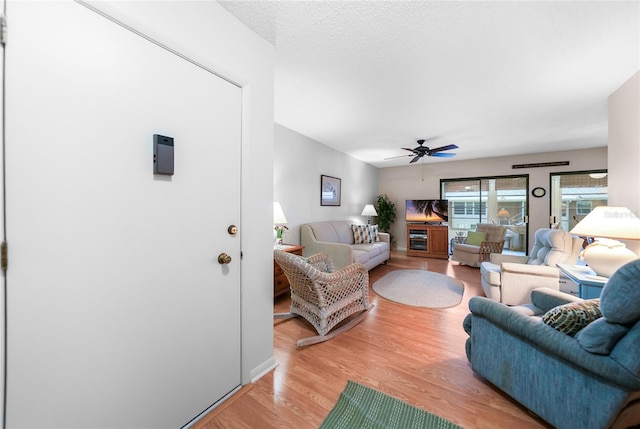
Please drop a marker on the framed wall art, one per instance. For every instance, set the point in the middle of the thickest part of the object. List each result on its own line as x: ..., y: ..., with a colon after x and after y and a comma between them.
x: 330, y: 191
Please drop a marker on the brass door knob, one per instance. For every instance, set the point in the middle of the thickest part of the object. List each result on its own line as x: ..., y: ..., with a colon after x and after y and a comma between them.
x: 224, y: 259
x: 232, y: 230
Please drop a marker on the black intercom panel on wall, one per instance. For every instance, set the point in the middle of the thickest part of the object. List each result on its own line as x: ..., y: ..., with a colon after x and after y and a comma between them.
x: 162, y: 154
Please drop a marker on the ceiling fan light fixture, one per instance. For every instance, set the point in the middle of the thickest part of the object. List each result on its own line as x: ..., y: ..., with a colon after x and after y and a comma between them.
x: 420, y: 151
x: 597, y: 175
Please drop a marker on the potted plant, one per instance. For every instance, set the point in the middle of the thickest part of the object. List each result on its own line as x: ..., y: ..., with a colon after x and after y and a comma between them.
x: 386, y: 213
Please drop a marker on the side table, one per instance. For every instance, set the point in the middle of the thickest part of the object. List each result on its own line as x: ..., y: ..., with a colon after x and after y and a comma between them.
x: 589, y: 283
x: 280, y: 280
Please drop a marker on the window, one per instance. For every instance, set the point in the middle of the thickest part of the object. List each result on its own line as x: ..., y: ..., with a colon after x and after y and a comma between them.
x: 574, y: 194
x: 583, y: 207
x: 468, y: 208
x: 501, y: 200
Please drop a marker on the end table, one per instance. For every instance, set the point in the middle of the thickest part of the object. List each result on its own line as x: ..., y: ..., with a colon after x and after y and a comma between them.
x: 280, y: 280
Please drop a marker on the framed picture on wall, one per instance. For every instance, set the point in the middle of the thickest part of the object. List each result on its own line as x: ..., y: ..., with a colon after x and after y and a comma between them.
x: 329, y: 191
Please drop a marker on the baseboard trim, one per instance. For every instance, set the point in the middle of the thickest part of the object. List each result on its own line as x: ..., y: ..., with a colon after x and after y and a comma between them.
x: 261, y: 370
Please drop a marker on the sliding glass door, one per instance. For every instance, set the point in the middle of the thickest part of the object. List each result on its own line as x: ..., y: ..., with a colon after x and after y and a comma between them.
x: 575, y: 194
x: 499, y: 200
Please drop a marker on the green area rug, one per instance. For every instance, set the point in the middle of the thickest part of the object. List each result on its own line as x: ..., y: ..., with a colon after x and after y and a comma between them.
x: 361, y: 407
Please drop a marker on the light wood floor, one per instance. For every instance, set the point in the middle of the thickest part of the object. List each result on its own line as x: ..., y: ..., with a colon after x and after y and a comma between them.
x: 413, y: 354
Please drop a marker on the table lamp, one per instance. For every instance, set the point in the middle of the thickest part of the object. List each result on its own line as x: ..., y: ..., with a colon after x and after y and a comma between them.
x: 279, y: 220
x: 369, y: 211
x: 606, y: 255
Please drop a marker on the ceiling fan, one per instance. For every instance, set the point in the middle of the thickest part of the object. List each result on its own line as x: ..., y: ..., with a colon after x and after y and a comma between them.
x: 420, y: 151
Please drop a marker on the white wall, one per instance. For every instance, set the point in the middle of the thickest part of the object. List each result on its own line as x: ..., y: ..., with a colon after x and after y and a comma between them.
x: 624, y: 149
x: 402, y: 183
x: 298, y: 164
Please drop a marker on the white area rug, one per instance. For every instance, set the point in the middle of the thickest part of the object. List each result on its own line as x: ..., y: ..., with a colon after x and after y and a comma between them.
x: 420, y: 288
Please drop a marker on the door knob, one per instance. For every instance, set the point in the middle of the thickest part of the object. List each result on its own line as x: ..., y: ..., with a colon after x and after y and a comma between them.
x: 232, y: 230
x: 224, y: 259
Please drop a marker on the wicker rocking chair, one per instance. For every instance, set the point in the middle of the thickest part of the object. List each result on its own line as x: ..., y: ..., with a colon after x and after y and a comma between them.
x: 324, y: 298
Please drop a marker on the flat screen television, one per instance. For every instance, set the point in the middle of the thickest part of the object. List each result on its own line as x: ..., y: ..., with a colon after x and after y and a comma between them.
x: 427, y: 211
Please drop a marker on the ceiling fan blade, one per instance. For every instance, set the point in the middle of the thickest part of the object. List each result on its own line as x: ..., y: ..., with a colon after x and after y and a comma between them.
x: 401, y: 156
x: 447, y: 147
x: 415, y: 159
x: 406, y: 148
x: 443, y: 155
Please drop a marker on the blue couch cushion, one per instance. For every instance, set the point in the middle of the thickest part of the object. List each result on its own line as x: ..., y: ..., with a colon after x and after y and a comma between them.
x: 572, y: 317
x: 600, y: 336
x: 620, y: 298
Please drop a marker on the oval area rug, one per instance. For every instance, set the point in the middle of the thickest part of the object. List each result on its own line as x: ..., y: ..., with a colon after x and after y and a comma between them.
x: 420, y: 288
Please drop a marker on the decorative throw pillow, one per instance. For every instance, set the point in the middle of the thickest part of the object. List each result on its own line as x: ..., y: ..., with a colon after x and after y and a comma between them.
x: 600, y: 336
x: 373, y: 233
x: 572, y: 317
x: 476, y: 238
x: 361, y: 234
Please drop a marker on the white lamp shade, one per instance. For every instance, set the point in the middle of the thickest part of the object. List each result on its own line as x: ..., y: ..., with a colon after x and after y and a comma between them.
x: 609, y: 222
x: 278, y: 215
x: 369, y: 210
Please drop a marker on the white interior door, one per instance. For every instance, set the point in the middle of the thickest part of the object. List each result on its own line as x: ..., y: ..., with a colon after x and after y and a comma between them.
x: 119, y: 314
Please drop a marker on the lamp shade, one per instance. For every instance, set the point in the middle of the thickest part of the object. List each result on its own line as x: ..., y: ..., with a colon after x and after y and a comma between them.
x: 609, y: 222
x: 504, y: 213
x: 278, y: 215
x: 369, y: 210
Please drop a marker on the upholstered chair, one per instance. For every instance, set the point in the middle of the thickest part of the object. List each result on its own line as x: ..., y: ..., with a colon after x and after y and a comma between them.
x: 511, y: 278
x: 487, y: 239
x: 575, y: 363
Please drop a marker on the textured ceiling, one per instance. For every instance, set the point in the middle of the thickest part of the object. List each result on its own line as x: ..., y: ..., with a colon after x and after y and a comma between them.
x: 495, y: 78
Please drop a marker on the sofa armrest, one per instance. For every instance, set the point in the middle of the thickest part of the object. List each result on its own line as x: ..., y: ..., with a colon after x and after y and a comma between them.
x: 536, y: 270
x: 554, y: 343
x: 499, y: 258
x: 340, y: 253
x: 385, y: 236
x: 546, y: 299
x: 490, y: 247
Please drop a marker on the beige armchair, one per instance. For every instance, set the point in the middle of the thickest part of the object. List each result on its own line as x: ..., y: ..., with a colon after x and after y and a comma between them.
x: 473, y: 254
x: 511, y: 278
x: 324, y: 297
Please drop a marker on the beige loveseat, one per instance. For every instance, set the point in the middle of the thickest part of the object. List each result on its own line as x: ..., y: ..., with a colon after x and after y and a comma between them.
x: 336, y: 239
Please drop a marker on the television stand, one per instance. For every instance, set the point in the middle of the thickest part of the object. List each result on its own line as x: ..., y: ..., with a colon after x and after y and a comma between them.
x: 427, y: 241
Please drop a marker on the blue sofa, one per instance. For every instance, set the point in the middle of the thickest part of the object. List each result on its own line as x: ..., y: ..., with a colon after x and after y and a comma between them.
x: 559, y: 358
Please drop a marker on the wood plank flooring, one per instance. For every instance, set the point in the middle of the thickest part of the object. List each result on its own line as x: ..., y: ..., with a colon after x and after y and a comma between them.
x: 414, y: 354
